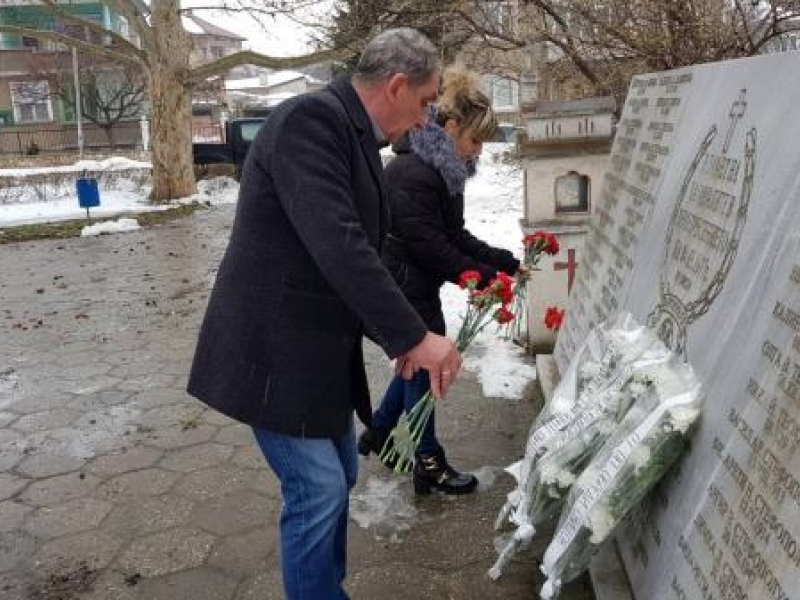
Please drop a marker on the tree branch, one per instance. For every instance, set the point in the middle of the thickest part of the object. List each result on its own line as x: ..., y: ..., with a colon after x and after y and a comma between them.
x: 248, y: 57
x: 96, y: 27
x: 135, y: 19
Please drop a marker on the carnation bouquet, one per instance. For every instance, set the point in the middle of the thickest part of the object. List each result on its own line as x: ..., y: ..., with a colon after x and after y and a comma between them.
x: 483, y: 307
x: 533, y: 246
x: 646, y: 443
x: 609, y: 373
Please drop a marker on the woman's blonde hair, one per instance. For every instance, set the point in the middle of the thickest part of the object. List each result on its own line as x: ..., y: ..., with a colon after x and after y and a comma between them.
x: 461, y: 99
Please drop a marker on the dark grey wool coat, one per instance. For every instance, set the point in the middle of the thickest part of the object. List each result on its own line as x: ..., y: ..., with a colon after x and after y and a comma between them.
x: 428, y: 242
x: 301, y: 280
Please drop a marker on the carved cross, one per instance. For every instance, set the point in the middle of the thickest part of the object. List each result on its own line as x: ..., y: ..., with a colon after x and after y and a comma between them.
x: 736, y: 113
x: 571, y: 266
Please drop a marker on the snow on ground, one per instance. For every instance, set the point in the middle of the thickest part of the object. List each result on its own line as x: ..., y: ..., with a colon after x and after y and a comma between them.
x: 127, y: 196
x: 493, y: 209
x: 118, y: 226
x: 114, y: 163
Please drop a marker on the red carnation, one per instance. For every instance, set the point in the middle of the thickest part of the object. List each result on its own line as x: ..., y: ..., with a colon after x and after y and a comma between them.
x: 502, y: 315
x: 553, y: 318
x: 503, y: 287
x: 541, y: 241
x: 469, y: 279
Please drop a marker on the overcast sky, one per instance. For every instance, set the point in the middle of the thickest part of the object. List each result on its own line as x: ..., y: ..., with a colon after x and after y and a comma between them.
x: 279, y: 36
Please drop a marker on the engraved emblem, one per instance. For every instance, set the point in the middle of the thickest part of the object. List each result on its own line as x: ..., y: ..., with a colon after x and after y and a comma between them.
x: 704, y: 232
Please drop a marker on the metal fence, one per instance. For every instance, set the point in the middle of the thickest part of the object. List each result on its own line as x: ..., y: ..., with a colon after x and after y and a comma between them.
x: 29, y: 141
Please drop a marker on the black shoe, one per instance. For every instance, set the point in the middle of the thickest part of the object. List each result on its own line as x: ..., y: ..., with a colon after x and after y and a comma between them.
x: 434, y: 473
x: 372, y: 440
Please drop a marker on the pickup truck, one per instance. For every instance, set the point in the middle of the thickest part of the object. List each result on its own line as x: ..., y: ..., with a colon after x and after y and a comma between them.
x: 239, y: 134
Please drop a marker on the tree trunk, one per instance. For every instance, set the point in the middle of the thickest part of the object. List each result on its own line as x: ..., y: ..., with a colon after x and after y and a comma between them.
x: 109, y: 131
x: 171, y: 98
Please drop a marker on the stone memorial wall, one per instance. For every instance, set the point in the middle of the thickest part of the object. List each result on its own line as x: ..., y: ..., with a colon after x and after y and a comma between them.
x: 697, y: 233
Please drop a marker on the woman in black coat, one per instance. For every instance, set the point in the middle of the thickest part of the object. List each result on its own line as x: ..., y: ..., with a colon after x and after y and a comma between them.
x: 428, y: 245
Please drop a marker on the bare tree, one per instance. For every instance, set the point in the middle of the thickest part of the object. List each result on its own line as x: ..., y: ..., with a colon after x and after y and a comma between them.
x: 584, y: 46
x: 162, y: 53
x: 110, y: 93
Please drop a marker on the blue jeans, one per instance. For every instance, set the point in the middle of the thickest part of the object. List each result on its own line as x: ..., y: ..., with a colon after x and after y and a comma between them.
x: 316, y: 476
x: 404, y: 394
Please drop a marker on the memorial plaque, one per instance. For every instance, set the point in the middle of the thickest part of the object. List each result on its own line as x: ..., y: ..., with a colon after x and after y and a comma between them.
x: 697, y: 233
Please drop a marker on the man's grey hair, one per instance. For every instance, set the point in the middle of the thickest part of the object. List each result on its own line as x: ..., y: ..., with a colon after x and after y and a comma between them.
x: 401, y: 50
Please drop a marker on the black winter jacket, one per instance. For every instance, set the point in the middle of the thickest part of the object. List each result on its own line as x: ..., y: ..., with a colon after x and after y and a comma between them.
x: 302, y: 280
x: 428, y: 243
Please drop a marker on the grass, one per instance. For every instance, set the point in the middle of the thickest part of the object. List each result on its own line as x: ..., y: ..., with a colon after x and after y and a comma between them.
x: 68, y: 229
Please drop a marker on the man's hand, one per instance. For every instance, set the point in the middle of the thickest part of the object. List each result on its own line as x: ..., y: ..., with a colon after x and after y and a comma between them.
x: 436, y: 354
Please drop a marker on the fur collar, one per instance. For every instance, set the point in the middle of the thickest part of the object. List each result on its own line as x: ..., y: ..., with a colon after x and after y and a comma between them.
x: 436, y: 148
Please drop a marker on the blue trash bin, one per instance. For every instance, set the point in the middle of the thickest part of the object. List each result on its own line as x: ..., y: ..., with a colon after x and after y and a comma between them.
x: 88, y: 193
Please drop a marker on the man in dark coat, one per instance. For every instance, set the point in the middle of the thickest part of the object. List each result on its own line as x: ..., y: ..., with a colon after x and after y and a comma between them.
x: 302, y: 281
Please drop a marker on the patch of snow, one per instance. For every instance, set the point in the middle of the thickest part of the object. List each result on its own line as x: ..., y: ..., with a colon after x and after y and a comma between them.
x: 118, y: 226
x: 381, y: 507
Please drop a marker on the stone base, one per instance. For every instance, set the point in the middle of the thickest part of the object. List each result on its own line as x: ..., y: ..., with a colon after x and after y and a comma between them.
x: 607, y: 573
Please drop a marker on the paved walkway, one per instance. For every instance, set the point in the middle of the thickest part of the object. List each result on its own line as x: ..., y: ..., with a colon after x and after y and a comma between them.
x: 114, y: 484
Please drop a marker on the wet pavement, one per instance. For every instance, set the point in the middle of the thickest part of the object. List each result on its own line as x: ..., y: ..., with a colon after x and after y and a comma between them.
x: 115, y: 484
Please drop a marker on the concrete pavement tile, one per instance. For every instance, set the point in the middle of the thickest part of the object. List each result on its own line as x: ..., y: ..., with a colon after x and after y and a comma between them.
x: 79, y: 372
x: 12, y: 514
x: 7, y: 418
x: 59, y: 489
x: 141, y: 367
x: 16, y: 549
x: 195, y: 584
x: 157, y: 397
x: 75, y: 516
x: 196, y: 457
x: 264, y: 481
x: 249, y: 457
x: 45, y: 464
x: 248, y: 552
x: 125, y: 460
x: 187, y: 433
x: 212, y: 417
x: 92, y: 385
x: 143, y: 516
x: 236, y: 434
x: 399, y: 581
x: 261, y: 586
x: 166, y: 552
x: 147, y: 382
x: 94, y: 549
x: 176, y: 413
x: 214, y: 482
x: 234, y: 512
x: 9, y: 437
x: 13, y: 586
x: 147, y: 482
x: 10, y: 456
x: 10, y: 484
x: 49, y: 419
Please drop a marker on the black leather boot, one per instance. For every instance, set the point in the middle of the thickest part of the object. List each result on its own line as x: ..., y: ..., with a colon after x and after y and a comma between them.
x: 372, y: 440
x: 435, y: 473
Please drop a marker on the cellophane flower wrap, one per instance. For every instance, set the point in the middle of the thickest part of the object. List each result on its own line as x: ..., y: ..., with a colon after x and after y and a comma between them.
x: 533, y: 246
x: 645, y: 444
x: 484, y: 305
x: 610, y: 371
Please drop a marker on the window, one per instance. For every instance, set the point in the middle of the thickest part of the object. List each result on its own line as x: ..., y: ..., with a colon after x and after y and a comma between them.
x: 31, y: 102
x: 503, y: 92
x: 572, y: 193
x: 500, y: 17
